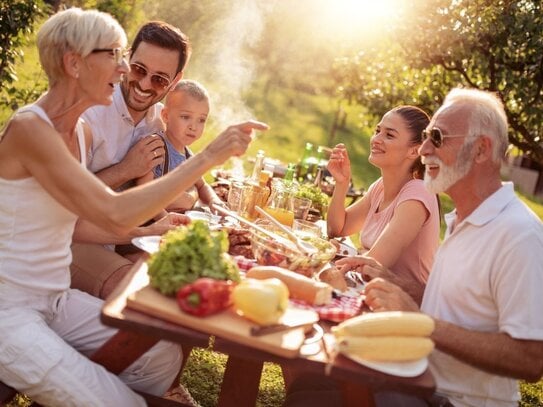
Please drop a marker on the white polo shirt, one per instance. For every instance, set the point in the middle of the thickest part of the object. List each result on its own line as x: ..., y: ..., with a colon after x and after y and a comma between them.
x: 488, y: 277
x: 114, y: 131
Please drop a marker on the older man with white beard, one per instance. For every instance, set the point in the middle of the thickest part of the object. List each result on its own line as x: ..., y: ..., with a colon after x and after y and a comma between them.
x: 484, y: 291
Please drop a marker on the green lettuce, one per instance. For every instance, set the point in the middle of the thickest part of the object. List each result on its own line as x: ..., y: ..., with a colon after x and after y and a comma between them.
x: 188, y: 253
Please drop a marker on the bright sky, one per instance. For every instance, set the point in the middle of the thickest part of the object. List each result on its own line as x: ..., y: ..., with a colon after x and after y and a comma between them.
x: 351, y: 19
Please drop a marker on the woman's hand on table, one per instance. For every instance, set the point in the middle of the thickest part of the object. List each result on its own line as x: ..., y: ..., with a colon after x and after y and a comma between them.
x: 382, y: 295
x: 368, y: 267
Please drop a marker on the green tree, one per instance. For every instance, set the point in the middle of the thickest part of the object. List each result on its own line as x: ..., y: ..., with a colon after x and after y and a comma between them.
x: 438, y: 44
x: 127, y: 12
x: 16, y: 24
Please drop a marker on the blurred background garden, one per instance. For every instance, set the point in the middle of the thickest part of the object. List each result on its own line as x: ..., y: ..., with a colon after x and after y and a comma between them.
x: 324, y: 71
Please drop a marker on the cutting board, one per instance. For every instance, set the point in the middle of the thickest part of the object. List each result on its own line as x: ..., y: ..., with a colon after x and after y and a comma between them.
x: 228, y: 324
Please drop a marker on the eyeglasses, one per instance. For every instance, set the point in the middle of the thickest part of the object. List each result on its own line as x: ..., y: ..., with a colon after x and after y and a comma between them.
x: 119, y: 54
x: 436, y: 136
x: 158, y: 82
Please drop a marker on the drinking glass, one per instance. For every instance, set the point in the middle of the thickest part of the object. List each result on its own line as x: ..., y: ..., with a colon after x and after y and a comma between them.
x: 251, y: 196
x: 301, y: 207
x: 234, y: 196
x: 305, y: 227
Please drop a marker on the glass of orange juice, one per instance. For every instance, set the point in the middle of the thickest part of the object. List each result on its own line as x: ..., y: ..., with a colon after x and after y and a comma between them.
x: 280, y: 203
x: 283, y: 215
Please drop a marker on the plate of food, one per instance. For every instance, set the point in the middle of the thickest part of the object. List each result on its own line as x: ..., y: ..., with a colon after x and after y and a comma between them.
x: 403, y: 369
x: 344, y: 249
x: 205, y: 216
x: 148, y: 244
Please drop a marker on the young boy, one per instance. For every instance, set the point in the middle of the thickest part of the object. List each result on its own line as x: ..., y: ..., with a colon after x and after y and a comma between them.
x: 185, y: 115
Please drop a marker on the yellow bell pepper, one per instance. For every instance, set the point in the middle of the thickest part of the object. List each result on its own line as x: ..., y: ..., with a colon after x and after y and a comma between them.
x: 261, y: 301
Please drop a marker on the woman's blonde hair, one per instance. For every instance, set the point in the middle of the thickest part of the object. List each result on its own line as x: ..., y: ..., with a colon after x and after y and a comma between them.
x: 75, y: 30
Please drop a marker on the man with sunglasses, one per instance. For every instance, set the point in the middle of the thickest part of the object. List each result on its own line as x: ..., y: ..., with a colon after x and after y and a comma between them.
x: 124, y: 146
x: 484, y: 291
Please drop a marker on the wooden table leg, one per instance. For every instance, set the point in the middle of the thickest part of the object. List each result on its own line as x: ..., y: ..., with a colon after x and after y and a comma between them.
x: 121, y: 350
x: 240, y: 383
x: 356, y: 395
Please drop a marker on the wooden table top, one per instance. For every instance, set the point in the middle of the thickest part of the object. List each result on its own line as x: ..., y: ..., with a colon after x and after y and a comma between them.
x: 311, y: 360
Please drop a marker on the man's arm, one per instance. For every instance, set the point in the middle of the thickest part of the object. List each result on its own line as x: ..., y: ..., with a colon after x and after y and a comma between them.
x: 142, y: 157
x: 496, y: 353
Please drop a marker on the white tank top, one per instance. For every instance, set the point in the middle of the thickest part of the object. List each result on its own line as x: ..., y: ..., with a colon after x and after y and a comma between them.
x: 35, y: 231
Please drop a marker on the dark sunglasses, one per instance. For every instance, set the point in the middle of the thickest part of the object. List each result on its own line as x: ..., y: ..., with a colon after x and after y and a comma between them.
x: 119, y: 54
x: 436, y: 136
x: 158, y: 82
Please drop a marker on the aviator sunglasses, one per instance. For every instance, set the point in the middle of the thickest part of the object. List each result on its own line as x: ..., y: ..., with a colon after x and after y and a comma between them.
x: 436, y: 136
x: 158, y: 82
x: 119, y: 54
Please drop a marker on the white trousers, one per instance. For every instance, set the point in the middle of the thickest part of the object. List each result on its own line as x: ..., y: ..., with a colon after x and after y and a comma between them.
x: 44, y: 344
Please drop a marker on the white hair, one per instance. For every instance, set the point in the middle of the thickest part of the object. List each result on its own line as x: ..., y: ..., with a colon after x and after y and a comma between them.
x: 487, y: 117
x: 75, y: 30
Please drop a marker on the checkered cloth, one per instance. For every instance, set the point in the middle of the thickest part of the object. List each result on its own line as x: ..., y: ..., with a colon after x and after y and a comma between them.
x: 340, y: 309
x: 244, y: 263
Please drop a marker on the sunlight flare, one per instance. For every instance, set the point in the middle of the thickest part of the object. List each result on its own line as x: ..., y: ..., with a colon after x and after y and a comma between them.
x: 351, y: 19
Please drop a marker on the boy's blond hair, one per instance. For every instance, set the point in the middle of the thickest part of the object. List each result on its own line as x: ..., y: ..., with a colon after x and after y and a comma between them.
x: 192, y: 88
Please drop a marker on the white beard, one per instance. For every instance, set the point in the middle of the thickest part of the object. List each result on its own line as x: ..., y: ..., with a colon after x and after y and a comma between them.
x: 449, y: 174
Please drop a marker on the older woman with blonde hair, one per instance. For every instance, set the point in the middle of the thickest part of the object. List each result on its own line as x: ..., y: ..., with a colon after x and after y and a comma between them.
x: 48, y: 329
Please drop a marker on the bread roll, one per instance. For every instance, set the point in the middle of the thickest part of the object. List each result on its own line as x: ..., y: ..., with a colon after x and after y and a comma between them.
x: 334, y: 277
x: 299, y: 286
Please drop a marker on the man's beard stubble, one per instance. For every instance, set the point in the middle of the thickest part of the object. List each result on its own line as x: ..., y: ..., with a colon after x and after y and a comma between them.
x: 450, y: 174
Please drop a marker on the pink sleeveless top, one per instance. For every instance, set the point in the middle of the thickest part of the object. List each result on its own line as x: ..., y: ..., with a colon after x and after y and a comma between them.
x: 418, y: 257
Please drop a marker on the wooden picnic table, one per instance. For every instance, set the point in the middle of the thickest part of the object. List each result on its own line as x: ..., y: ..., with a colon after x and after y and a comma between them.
x: 244, y: 366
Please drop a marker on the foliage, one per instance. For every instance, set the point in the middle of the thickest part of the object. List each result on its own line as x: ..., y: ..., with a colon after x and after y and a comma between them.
x: 127, y: 12
x: 16, y: 24
x: 439, y: 44
x: 532, y: 394
x: 318, y: 198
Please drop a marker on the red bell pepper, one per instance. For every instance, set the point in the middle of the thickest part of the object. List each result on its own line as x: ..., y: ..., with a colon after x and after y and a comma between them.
x: 205, y: 296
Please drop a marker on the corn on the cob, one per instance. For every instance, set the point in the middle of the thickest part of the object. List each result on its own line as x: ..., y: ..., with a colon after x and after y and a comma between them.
x: 390, y: 323
x: 387, y: 348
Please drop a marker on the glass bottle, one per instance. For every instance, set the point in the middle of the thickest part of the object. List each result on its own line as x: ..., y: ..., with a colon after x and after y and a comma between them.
x: 303, y: 165
x: 289, y: 174
x: 313, y: 165
x: 254, y: 194
x: 259, y: 162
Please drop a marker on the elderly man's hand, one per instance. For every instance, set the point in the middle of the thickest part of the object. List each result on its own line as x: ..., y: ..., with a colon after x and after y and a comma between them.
x: 382, y: 295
